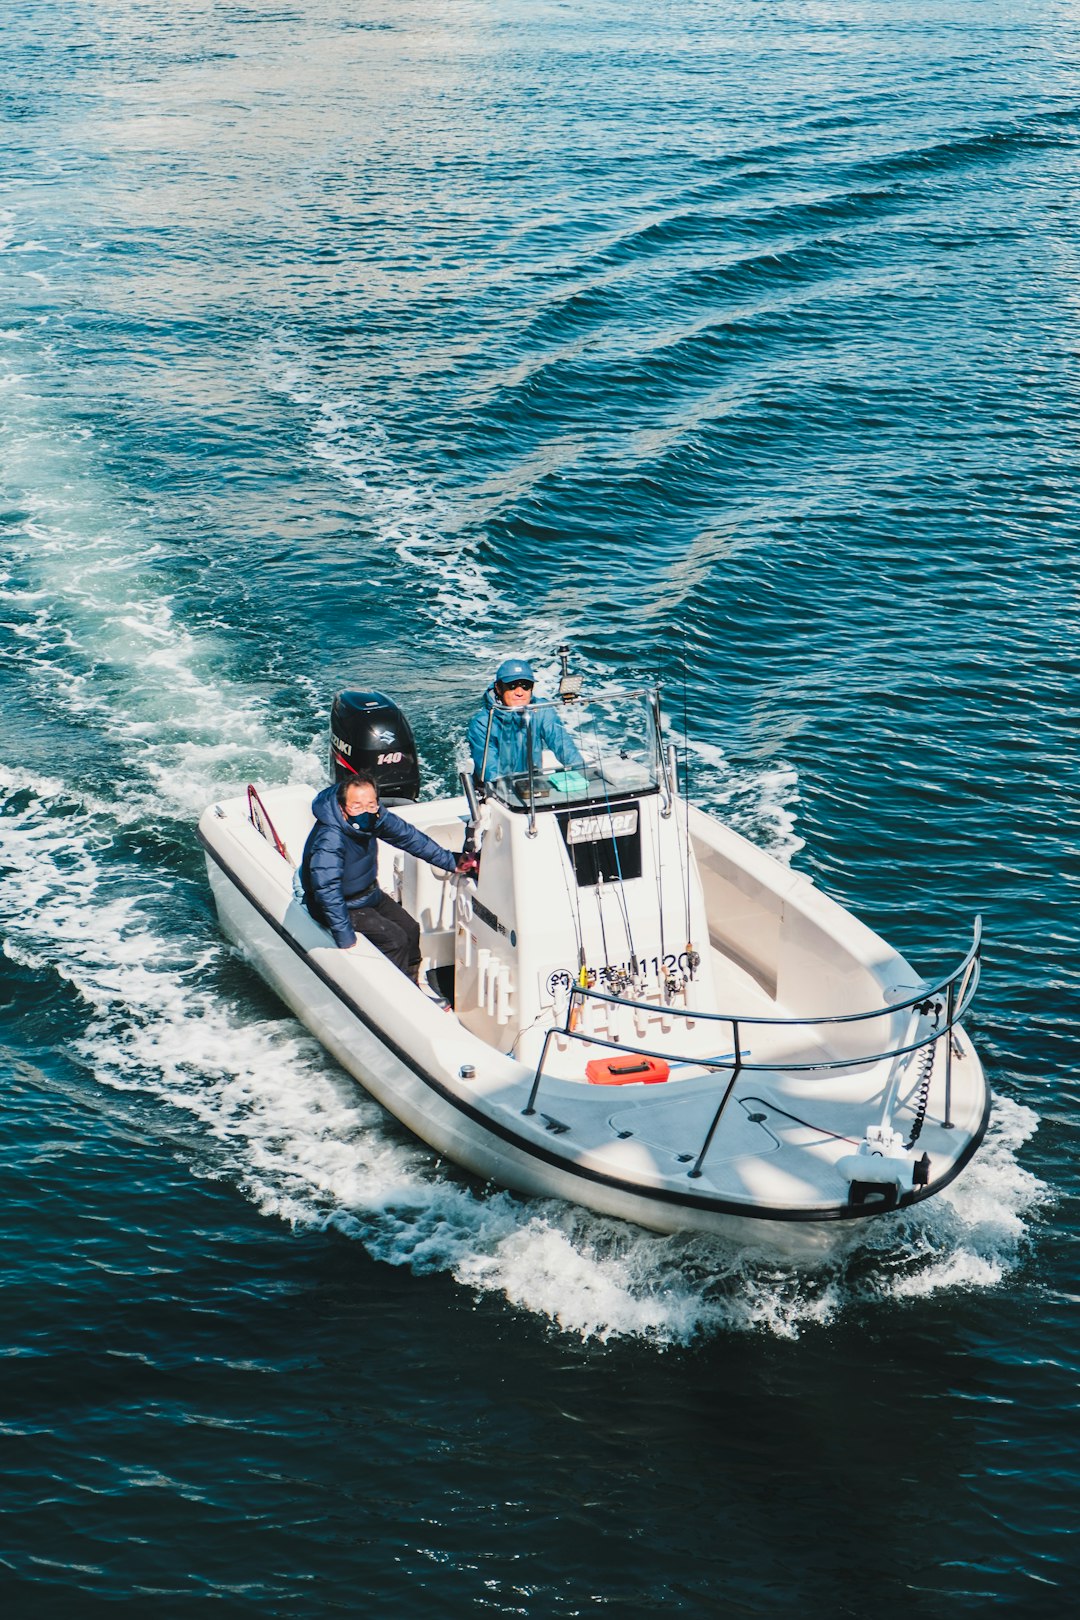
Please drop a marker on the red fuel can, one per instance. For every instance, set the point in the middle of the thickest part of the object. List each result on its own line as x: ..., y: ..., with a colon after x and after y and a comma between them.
x: 628, y: 1069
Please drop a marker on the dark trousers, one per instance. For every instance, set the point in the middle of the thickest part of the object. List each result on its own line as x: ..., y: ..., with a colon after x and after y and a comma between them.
x: 390, y: 927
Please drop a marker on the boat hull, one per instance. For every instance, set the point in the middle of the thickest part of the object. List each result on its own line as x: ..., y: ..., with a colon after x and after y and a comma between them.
x: 409, y: 1055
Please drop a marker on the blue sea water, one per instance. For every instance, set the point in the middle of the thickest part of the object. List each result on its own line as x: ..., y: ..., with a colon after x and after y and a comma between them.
x: 347, y: 342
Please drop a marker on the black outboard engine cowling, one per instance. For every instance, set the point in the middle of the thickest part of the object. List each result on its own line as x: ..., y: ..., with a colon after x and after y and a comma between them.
x: 369, y: 733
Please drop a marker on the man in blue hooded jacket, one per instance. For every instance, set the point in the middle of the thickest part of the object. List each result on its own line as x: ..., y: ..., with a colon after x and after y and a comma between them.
x: 497, y: 730
x: 339, y: 871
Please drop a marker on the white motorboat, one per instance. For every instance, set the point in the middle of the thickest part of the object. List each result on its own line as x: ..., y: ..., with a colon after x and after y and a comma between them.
x: 631, y: 1006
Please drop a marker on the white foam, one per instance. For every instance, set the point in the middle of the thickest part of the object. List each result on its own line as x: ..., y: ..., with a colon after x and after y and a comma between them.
x: 110, y: 645
x: 602, y: 1279
x: 761, y: 804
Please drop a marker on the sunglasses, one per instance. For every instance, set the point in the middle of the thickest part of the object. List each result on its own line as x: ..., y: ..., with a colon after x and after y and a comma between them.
x: 518, y: 686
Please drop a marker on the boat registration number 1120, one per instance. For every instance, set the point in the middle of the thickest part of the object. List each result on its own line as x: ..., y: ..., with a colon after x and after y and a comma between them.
x: 560, y: 981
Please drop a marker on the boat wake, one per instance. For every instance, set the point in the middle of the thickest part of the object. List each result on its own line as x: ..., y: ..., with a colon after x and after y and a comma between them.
x: 604, y: 1280
x: 93, y: 634
x: 168, y: 1023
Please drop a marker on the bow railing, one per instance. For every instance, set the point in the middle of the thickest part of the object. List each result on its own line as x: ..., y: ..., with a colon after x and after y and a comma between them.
x: 945, y: 1003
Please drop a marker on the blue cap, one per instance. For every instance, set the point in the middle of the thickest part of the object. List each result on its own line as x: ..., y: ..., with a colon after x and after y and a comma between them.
x: 514, y: 669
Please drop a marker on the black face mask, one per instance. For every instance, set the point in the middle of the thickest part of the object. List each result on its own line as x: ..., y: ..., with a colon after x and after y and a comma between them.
x: 365, y: 821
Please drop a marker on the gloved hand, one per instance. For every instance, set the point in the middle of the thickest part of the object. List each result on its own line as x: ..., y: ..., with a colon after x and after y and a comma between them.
x: 467, y: 865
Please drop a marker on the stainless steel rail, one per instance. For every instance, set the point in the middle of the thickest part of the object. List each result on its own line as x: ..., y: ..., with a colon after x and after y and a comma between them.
x: 952, y: 995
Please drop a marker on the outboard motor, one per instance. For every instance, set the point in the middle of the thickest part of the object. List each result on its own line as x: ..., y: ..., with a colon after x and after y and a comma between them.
x: 369, y: 733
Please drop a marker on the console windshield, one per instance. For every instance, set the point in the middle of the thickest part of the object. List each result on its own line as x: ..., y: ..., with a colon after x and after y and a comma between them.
x: 585, y: 750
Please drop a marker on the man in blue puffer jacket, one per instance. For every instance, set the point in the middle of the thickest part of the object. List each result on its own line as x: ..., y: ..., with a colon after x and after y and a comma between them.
x: 339, y: 871
x: 502, y: 750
